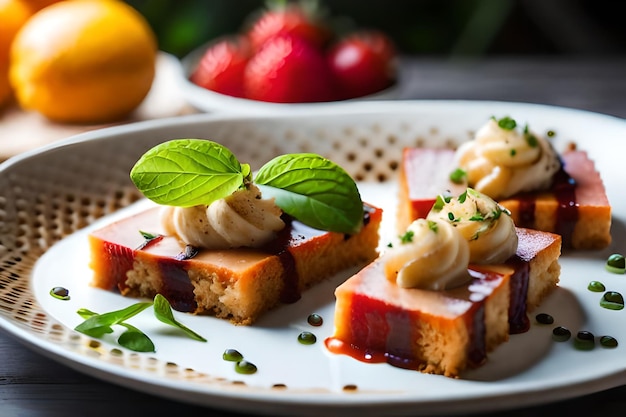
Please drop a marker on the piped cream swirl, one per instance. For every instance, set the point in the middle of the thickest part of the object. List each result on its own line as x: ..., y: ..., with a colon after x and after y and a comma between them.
x: 431, y: 255
x: 242, y: 219
x: 487, y: 226
x: 503, y: 161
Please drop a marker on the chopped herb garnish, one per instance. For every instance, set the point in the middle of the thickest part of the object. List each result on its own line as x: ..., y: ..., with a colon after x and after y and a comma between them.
x: 439, y: 203
x: 451, y: 216
x: 458, y: 176
x: 513, y: 152
x: 507, y: 123
x: 461, y: 198
x: 148, y: 235
x: 149, y: 238
x: 531, y: 139
x: 433, y: 226
x: 407, y: 237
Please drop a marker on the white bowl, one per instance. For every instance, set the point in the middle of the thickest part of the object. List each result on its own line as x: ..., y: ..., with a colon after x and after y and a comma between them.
x: 210, y: 101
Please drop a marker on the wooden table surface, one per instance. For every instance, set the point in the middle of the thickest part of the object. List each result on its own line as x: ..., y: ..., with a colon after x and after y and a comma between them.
x: 32, y: 385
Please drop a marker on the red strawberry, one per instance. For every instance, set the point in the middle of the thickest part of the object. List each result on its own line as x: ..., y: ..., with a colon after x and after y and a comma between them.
x: 363, y: 63
x: 291, y: 20
x: 222, y: 66
x: 288, y: 70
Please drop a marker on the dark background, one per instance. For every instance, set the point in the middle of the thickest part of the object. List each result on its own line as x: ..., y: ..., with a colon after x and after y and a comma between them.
x: 448, y: 28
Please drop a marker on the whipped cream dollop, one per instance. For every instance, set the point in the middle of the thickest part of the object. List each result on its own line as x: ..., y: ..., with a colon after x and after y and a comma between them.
x: 484, y: 224
x: 431, y: 255
x: 243, y: 219
x: 503, y: 160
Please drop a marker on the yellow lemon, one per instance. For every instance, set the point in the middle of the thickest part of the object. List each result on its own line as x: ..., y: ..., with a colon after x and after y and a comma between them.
x: 83, y: 61
x: 13, y: 14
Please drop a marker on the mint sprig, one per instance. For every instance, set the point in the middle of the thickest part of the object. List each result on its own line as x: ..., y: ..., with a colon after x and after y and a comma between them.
x: 307, y: 186
x: 97, y: 325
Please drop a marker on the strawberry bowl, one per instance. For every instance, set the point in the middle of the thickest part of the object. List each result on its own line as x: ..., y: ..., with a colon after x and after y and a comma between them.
x: 207, y: 100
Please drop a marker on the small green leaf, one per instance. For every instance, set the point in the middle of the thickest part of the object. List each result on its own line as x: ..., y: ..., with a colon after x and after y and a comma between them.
x: 97, y: 325
x: 135, y: 340
x: 85, y: 313
x: 163, y: 312
x: 148, y: 235
x: 314, y: 190
x: 188, y: 172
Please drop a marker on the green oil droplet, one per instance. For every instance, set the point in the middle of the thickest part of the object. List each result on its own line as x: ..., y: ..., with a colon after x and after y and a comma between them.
x: 543, y: 318
x: 608, y: 342
x: 315, y: 320
x: 612, y: 300
x: 232, y: 355
x: 616, y: 264
x: 596, y: 286
x: 60, y: 293
x: 584, y: 340
x: 245, y: 367
x: 561, y: 334
x: 307, y: 338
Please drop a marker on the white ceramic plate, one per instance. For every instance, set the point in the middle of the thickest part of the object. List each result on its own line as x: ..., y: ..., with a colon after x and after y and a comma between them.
x: 52, y: 197
x: 210, y: 101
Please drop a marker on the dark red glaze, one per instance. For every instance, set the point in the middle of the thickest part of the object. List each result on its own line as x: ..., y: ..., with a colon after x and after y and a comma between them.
x: 564, y: 191
x: 518, y: 319
x: 176, y: 286
x: 124, y: 262
x: 381, y: 332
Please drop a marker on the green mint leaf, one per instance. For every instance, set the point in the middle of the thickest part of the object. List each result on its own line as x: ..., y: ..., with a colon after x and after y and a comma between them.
x: 90, y: 328
x: 188, y: 172
x: 314, y: 190
x: 97, y: 325
x: 163, y: 312
x: 135, y: 340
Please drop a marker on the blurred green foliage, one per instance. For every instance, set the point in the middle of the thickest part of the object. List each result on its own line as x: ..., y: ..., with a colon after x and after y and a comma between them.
x: 427, y: 27
x: 423, y: 27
